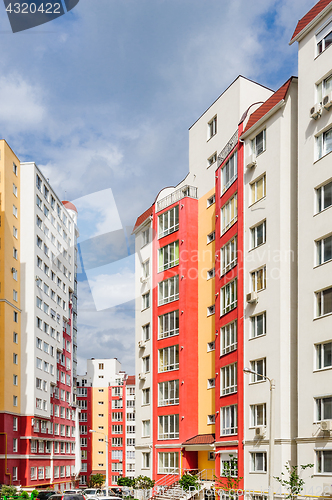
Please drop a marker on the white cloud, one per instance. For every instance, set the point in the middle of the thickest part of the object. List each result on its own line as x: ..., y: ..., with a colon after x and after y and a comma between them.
x: 113, y: 284
x: 20, y: 104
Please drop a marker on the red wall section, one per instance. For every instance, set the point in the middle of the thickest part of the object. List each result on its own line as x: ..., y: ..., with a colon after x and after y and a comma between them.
x: 187, y: 235
x: 235, y: 314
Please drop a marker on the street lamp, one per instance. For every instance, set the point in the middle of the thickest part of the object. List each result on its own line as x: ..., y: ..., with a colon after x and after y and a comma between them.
x: 106, y: 441
x: 271, y: 433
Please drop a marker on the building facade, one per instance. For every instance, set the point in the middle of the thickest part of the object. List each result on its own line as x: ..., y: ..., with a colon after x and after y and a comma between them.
x: 239, y: 305
x: 41, y: 438
x: 106, y: 398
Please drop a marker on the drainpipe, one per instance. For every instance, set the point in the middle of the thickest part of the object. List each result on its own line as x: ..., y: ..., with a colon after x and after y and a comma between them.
x: 6, y: 473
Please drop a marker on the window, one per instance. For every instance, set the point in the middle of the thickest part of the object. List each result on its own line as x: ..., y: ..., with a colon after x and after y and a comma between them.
x: 168, y: 222
x: 15, y: 211
x: 146, y: 269
x: 117, y: 417
x: 14, y: 169
x: 15, y: 296
x: 168, y: 256
x: 258, y: 189
x: 258, y: 143
x: 145, y: 237
x: 145, y: 428
x: 146, y: 396
x: 212, y: 159
x: 258, y: 366
x: 15, y: 253
x: 228, y: 420
x: 258, y: 235
x: 324, y: 143
x: 323, y: 250
x: 15, y: 426
x: 168, y: 427
x: 228, y: 256
x: 145, y: 301
x: 258, y: 461
x: 168, y: 393
x: 324, y: 461
x: 131, y: 428
x: 168, y: 290
x: 258, y: 415
x: 15, y: 473
x: 212, y: 127
x: 229, y: 172
x: 117, y: 429
x: 323, y: 409
x: 211, y: 383
x: 146, y: 331
x: 146, y: 364
x: 323, y: 88
x: 38, y: 383
x: 228, y: 338
x: 324, y: 39
x: 168, y: 463
x: 168, y: 325
x: 15, y: 338
x: 323, y: 355
x: 33, y: 473
x: 258, y: 280
x: 228, y: 297
x: 145, y: 460
x: 168, y: 359
x: 15, y: 359
x: 323, y: 302
x: 228, y: 384
x: 324, y: 197
x: 211, y: 346
x: 258, y: 325
x: 15, y: 232
x: 211, y: 237
x: 211, y: 201
x: 228, y: 214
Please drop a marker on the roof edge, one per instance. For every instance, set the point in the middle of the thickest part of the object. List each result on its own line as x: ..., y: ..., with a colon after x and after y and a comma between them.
x: 310, y: 25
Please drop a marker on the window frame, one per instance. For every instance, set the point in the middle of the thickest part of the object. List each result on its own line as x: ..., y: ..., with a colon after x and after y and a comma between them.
x: 226, y: 252
x: 228, y: 332
x: 228, y: 380
x: 166, y: 217
x: 226, y: 219
x: 228, y: 415
x: 254, y: 184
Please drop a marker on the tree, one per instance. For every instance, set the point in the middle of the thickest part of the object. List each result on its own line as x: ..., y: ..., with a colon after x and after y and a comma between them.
x: 143, y: 483
x: 188, y: 481
x: 8, y: 491
x: 97, y: 480
x: 126, y: 481
x: 294, y: 484
x: 230, y: 480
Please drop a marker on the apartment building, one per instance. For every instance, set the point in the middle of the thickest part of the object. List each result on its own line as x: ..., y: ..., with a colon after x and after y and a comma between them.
x: 106, y: 398
x: 177, y: 235
x: 40, y: 440
x: 314, y: 443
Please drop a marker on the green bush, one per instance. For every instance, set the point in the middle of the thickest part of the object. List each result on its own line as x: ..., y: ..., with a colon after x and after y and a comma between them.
x: 188, y: 481
x: 8, y: 491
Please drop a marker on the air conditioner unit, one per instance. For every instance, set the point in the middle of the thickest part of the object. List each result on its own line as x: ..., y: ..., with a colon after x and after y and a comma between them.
x: 326, y: 425
x: 141, y: 344
x: 13, y: 269
x: 327, y: 101
x: 315, y: 111
x: 143, y: 280
x: 251, y: 161
x: 259, y: 432
x: 142, y: 376
x: 252, y: 297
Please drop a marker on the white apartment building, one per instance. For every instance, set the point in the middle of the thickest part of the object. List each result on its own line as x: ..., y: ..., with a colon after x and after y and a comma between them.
x: 49, y: 326
x: 314, y: 441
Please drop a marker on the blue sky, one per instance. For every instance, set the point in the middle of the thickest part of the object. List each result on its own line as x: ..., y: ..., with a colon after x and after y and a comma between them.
x: 102, y: 99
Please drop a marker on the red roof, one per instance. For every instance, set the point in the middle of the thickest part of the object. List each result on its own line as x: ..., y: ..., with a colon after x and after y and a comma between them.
x: 69, y: 206
x: 272, y: 101
x: 201, y: 439
x: 143, y: 217
x: 130, y: 380
x: 310, y: 16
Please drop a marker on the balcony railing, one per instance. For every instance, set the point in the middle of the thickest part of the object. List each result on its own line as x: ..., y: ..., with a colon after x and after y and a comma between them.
x: 184, y: 192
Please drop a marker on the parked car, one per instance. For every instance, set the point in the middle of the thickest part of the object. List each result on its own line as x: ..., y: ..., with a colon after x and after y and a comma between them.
x: 92, y: 492
x: 73, y: 492
x: 63, y: 496
x: 45, y: 494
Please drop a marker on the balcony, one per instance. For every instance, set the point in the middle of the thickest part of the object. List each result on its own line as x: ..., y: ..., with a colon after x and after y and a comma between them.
x: 184, y: 192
